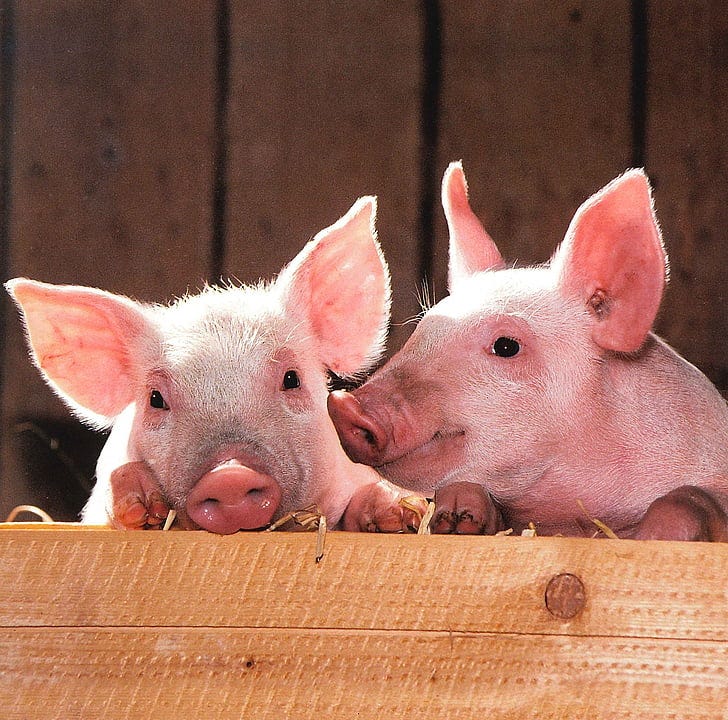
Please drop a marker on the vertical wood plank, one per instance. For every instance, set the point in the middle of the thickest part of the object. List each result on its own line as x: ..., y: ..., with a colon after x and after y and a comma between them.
x: 111, y: 165
x: 324, y: 108
x: 536, y: 104
x: 7, y: 56
x: 687, y: 156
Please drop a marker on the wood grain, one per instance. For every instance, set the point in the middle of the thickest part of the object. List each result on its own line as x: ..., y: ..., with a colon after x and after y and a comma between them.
x: 97, y: 623
x: 274, y: 673
x: 193, y: 579
x: 688, y: 158
x: 536, y: 104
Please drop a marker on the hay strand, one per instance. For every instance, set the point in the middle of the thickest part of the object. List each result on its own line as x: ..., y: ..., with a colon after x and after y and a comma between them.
x: 42, y: 514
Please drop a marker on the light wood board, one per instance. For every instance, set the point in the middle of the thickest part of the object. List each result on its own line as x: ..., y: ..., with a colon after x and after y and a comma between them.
x: 107, y: 624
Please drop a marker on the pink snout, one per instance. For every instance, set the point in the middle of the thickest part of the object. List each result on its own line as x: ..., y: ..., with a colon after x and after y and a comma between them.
x: 362, y: 437
x: 233, y: 497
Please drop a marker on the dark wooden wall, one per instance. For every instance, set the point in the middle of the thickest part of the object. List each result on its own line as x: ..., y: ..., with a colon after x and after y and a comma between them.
x: 148, y: 147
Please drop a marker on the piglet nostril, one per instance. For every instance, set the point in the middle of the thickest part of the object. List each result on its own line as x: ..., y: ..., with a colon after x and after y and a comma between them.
x: 361, y: 436
x: 233, y: 497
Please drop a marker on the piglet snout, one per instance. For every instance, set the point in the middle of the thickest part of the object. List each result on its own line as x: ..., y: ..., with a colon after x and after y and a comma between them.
x: 361, y: 436
x: 233, y: 497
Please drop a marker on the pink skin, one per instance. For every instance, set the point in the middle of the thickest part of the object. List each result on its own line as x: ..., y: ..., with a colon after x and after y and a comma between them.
x: 383, y: 507
x: 233, y: 497
x: 539, y: 395
x: 137, y: 502
x: 217, y: 402
x: 685, y: 513
x: 226, y: 508
x: 464, y: 508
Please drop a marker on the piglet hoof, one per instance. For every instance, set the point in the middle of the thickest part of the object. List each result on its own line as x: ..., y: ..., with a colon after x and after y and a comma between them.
x: 136, y: 503
x: 686, y: 513
x: 385, y: 508
x: 465, y: 508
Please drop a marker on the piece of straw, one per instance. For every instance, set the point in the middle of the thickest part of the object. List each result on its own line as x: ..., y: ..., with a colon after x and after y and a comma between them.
x: 171, y: 515
x: 600, y: 525
x: 42, y: 514
x: 424, y: 528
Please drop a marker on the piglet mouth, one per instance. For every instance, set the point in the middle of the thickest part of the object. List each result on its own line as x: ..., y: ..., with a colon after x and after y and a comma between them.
x: 439, y: 442
x: 422, y: 466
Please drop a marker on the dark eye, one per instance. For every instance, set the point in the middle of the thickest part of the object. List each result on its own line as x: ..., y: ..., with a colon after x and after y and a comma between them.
x: 291, y: 380
x: 506, y: 347
x: 157, y: 401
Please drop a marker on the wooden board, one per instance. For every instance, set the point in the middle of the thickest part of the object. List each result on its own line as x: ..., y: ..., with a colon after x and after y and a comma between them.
x: 687, y: 154
x: 100, y: 623
x: 536, y: 102
x: 324, y: 108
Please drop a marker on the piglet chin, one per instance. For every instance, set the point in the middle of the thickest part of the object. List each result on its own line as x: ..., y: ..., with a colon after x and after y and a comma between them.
x: 442, y: 454
x: 233, y: 497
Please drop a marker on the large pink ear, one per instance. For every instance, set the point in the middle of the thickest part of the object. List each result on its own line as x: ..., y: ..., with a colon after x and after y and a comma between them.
x: 340, y: 280
x: 85, y: 343
x: 471, y: 248
x: 613, y: 260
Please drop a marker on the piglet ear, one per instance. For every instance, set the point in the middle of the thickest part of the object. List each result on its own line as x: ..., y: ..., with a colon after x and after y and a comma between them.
x: 471, y: 248
x: 83, y: 342
x: 340, y: 280
x: 613, y: 260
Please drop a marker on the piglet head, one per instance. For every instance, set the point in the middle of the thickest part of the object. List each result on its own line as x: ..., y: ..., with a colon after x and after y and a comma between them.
x: 222, y: 394
x: 504, y: 372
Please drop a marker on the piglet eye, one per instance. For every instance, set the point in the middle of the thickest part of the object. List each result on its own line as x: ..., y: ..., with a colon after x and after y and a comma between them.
x: 506, y: 347
x: 291, y: 380
x: 157, y: 401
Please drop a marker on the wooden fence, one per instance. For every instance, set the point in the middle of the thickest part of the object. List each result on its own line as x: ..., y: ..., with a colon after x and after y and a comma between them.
x: 104, y: 624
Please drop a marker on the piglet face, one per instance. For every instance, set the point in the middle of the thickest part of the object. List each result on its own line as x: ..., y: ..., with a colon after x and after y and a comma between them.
x: 511, y: 367
x: 221, y: 396
x: 229, y: 413
x: 476, y: 387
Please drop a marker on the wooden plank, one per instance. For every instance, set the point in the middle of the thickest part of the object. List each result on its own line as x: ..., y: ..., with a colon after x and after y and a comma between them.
x: 688, y: 158
x: 224, y: 673
x: 7, y: 52
x: 91, y: 578
x: 112, y: 153
x: 99, y: 623
x: 324, y: 108
x: 111, y: 169
x: 535, y: 101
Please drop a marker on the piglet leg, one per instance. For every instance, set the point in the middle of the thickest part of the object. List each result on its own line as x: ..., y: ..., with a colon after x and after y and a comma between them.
x: 136, y: 502
x: 465, y: 508
x: 383, y: 507
x: 686, y: 513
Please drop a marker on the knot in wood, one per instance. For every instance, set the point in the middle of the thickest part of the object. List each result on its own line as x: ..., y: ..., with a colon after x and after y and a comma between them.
x: 565, y: 596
